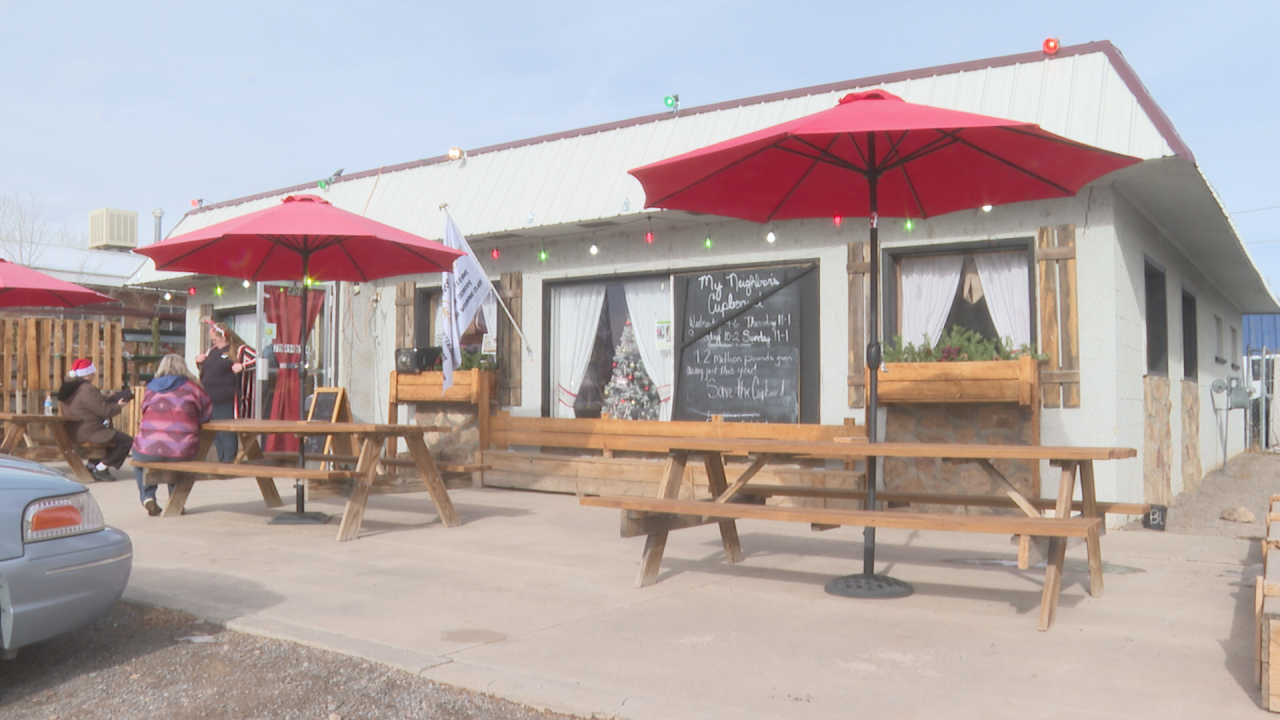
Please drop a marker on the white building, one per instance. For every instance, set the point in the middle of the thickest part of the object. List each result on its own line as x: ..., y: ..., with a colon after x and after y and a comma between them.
x: 1153, y: 235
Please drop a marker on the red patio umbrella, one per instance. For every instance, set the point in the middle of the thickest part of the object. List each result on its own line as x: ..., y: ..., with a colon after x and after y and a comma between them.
x: 303, y: 237
x: 21, y: 286
x: 873, y: 154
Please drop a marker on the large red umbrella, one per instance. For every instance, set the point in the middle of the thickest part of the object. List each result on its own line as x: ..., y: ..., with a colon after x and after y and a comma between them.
x: 301, y: 238
x: 23, y: 287
x: 873, y: 154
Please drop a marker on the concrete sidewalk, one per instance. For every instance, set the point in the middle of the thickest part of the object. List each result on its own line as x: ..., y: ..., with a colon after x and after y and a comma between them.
x: 532, y: 599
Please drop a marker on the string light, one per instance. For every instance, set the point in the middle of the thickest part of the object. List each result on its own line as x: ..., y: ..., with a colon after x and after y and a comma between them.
x: 594, y: 250
x: 986, y: 208
x: 495, y: 254
x: 648, y: 231
x: 542, y: 255
x: 908, y: 225
x: 837, y: 220
x: 191, y: 291
x: 245, y: 284
x: 217, y: 289
x: 168, y: 296
x: 1050, y: 46
x: 770, y: 238
x: 707, y: 243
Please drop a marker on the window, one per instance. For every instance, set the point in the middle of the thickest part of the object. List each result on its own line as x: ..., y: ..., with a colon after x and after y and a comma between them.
x: 1190, y: 358
x: 1157, y: 322
x: 609, y: 350
x: 738, y: 343
x: 986, y: 291
x: 481, y: 335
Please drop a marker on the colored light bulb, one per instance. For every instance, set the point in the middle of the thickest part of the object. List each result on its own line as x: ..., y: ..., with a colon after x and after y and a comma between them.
x: 648, y: 237
x: 495, y: 254
x: 707, y: 243
x: 837, y: 220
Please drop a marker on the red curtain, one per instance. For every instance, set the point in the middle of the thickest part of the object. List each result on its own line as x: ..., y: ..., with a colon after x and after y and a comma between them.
x: 283, y: 306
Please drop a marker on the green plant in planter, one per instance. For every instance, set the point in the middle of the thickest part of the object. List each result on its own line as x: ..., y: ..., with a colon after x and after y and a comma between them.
x: 475, y: 359
x: 957, y: 344
x: 471, y: 359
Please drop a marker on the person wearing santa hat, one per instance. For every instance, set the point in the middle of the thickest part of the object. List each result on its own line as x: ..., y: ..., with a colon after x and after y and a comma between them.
x: 79, y: 398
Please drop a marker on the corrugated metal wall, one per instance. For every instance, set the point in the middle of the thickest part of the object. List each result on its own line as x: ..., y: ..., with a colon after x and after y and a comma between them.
x: 1261, y: 331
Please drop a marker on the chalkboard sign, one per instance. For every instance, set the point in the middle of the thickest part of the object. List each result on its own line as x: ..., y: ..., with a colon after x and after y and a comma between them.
x: 330, y: 405
x: 739, y: 344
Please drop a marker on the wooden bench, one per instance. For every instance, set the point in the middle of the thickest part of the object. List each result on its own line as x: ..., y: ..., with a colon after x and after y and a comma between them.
x: 649, y: 516
x: 183, y: 474
x: 292, y: 457
x: 591, y: 456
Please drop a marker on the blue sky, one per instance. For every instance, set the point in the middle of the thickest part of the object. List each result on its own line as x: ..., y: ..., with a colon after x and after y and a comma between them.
x: 142, y: 105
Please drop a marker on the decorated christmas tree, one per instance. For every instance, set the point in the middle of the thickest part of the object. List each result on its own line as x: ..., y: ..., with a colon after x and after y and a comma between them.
x: 630, y: 394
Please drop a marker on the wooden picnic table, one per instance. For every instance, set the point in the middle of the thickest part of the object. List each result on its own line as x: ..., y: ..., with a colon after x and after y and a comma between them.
x: 18, y: 440
x: 655, y: 517
x: 250, y: 461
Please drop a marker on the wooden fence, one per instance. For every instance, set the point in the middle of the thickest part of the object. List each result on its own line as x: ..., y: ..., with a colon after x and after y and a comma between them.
x: 36, y: 355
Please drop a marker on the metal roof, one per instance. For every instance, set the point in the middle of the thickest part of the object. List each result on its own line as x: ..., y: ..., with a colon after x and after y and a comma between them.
x: 552, y: 184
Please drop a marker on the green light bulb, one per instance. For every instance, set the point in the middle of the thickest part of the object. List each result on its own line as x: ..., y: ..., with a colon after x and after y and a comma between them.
x: 707, y: 243
x: 908, y: 225
x: 217, y: 290
x: 542, y: 255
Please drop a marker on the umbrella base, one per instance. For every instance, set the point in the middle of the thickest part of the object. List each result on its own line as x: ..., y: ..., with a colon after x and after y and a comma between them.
x: 297, y: 518
x: 868, y: 587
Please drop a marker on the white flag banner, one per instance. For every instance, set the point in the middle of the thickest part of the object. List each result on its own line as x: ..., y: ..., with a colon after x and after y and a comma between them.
x: 462, y: 295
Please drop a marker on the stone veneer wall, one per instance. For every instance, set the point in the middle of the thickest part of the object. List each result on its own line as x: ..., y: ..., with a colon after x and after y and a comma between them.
x: 1157, y: 442
x: 1192, y: 470
x: 992, y: 423
x: 461, y: 444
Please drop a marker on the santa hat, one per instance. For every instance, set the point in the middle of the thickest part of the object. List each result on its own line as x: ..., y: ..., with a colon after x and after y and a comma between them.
x: 82, y: 368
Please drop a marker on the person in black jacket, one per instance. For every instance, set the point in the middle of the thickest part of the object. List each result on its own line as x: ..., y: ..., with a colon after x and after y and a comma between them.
x: 220, y: 375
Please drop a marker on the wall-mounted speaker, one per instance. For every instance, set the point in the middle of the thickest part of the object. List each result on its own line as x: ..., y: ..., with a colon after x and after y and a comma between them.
x: 418, y: 359
x: 407, y: 360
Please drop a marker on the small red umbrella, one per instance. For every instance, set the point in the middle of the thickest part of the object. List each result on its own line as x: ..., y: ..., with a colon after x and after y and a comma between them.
x: 23, y: 287
x: 874, y: 154
x: 301, y: 238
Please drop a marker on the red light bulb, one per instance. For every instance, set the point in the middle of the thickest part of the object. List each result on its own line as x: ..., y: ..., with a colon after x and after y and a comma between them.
x: 837, y: 220
x: 1050, y: 46
x: 495, y: 254
x: 648, y: 237
x: 191, y: 291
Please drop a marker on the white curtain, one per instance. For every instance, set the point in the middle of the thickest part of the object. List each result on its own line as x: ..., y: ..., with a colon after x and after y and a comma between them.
x: 1005, y: 282
x: 575, y: 317
x: 648, y: 303
x: 928, y: 287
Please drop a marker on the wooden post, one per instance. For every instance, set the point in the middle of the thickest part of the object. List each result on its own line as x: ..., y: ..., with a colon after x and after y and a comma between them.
x: 857, y: 269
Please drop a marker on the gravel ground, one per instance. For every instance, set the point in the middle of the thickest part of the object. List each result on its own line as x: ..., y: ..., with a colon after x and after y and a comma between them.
x: 139, y: 663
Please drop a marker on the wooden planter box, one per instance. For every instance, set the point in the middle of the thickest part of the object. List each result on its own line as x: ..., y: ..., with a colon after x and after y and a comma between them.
x: 960, y: 382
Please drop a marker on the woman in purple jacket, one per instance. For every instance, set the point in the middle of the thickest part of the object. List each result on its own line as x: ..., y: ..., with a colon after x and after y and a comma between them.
x: 173, y: 407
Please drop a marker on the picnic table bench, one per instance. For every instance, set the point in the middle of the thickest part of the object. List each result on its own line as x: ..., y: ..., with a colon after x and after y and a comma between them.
x: 251, y: 462
x: 655, y: 517
x: 21, y: 441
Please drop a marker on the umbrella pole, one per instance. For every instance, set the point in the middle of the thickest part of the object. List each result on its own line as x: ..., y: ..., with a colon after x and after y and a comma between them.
x: 868, y: 584
x: 300, y: 516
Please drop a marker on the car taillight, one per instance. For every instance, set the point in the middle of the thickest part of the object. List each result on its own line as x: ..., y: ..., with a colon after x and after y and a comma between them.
x: 56, y: 517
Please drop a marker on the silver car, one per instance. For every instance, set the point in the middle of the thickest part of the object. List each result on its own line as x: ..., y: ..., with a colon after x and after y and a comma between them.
x: 60, y: 565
